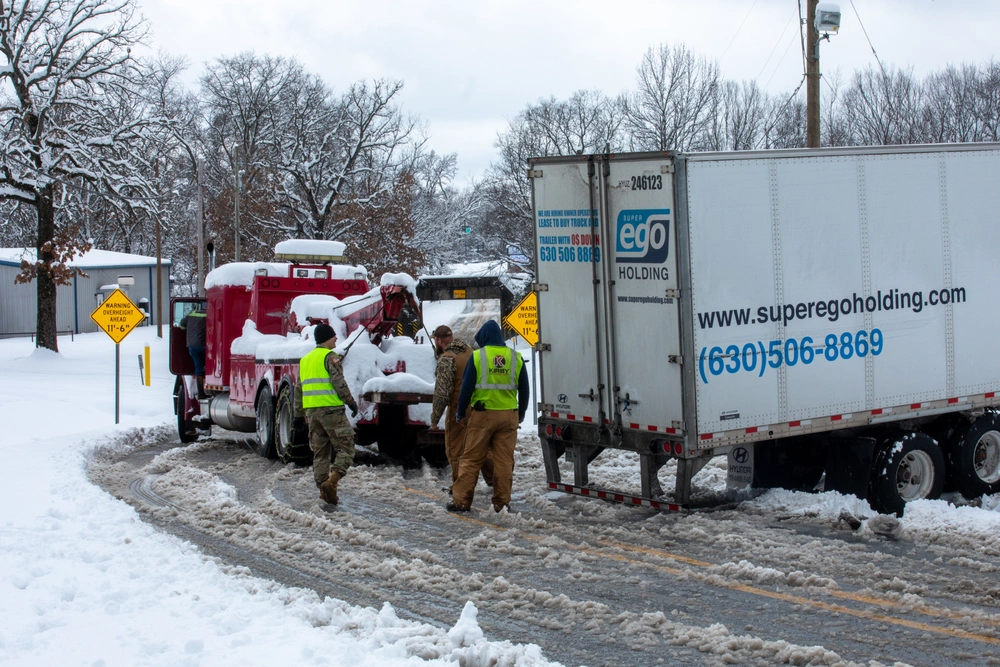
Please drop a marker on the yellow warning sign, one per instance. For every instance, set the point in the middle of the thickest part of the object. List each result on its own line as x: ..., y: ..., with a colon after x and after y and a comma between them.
x: 524, y: 318
x: 117, y: 316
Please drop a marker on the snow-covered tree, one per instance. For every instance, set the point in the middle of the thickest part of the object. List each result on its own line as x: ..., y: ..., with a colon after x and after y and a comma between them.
x: 66, y: 68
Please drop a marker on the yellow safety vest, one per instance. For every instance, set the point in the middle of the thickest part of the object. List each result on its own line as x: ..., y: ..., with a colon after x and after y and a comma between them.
x: 496, y: 382
x: 317, y: 390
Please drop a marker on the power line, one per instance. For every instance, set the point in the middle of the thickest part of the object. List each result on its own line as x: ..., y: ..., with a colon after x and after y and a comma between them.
x: 869, y: 39
x: 738, y: 31
x: 776, y: 45
x: 776, y: 67
x: 802, y: 36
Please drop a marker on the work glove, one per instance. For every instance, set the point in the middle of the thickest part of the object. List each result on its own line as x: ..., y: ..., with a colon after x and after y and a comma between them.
x: 354, y: 411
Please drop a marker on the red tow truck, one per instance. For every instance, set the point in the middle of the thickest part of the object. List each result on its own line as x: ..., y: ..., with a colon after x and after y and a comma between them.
x: 254, y: 393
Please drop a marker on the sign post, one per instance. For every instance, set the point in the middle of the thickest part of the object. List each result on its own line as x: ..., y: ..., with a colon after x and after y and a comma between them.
x: 523, y: 319
x: 117, y: 316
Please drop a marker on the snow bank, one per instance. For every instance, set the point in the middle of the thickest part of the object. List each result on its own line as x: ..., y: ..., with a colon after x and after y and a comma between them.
x: 85, y: 582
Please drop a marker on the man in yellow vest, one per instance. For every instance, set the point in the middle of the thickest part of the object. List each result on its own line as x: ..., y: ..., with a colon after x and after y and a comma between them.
x: 452, y: 358
x: 496, y: 386
x: 323, y: 396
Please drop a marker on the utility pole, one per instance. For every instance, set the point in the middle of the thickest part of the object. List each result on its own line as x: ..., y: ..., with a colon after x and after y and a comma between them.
x: 812, y: 76
x: 159, y: 280
x: 239, y: 185
x: 201, y: 233
x: 159, y: 267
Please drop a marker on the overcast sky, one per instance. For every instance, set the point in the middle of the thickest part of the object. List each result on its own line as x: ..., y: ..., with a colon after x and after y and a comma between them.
x: 470, y: 65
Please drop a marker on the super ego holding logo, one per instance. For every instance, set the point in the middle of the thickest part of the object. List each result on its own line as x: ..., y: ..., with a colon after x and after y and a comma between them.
x: 643, y: 236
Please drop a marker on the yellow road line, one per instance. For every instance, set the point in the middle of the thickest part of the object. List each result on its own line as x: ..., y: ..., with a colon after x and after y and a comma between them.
x: 753, y: 590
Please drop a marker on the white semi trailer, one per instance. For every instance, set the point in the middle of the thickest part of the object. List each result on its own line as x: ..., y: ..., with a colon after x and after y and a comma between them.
x: 816, y: 311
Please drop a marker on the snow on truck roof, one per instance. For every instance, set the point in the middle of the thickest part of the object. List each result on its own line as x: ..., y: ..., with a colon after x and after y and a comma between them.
x: 302, y: 249
x: 93, y: 259
x: 242, y: 274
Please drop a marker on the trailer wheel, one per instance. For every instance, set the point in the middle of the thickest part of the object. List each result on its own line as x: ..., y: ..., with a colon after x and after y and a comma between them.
x: 286, y: 438
x: 974, y: 457
x: 186, y: 430
x: 907, y: 466
x: 264, y: 443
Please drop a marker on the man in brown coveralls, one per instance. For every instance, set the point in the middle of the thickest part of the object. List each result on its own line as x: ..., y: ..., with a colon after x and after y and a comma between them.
x: 452, y: 356
x: 322, y: 397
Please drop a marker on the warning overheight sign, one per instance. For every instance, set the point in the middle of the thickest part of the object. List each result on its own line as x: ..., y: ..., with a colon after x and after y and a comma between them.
x: 524, y: 318
x: 117, y: 316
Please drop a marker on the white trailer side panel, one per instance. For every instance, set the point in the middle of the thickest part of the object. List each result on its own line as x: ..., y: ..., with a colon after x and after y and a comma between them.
x: 645, y: 313
x: 827, y: 285
x: 568, y: 319
x: 974, y: 238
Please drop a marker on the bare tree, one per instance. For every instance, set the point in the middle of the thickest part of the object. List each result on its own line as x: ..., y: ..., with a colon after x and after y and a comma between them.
x: 884, y: 107
x: 587, y: 122
x: 65, y: 59
x: 740, y: 118
x: 674, y: 104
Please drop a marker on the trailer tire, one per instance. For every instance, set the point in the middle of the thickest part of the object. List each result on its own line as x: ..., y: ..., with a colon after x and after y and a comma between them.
x: 907, y: 466
x: 974, y: 457
x: 264, y: 442
x: 186, y: 430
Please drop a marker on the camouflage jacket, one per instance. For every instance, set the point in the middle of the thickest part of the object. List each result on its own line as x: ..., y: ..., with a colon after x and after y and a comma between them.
x: 336, y: 371
x: 448, y: 379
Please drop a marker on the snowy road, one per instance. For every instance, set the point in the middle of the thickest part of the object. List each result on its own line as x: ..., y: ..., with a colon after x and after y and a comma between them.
x: 778, y: 579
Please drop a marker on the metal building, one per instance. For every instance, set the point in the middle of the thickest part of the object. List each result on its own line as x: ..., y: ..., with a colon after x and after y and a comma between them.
x: 104, y: 271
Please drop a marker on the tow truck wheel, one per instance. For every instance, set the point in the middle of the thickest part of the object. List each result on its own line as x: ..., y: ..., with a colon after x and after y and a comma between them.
x: 974, y: 457
x: 286, y: 439
x: 264, y: 443
x: 907, y: 466
x: 186, y: 430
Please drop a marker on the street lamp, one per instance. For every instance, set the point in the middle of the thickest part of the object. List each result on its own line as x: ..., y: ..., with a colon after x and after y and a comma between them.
x: 822, y: 17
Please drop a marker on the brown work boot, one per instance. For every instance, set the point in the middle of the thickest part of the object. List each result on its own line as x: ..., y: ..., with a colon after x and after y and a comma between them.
x: 328, y: 489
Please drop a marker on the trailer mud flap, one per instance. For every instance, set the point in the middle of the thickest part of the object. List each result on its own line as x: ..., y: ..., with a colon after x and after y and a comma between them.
x: 848, y: 466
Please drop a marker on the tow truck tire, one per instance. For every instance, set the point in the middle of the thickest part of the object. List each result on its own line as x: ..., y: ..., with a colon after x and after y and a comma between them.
x: 907, y: 466
x: 974, y: 457
x: 287, y: 440
x: 186, y: 430
x: 264, y: 442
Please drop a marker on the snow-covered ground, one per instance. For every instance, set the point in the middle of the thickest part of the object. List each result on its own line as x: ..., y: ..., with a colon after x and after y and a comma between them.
x: 84, y: 582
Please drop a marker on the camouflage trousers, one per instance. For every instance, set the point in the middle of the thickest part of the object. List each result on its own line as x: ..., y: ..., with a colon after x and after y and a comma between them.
x: 331, y: 439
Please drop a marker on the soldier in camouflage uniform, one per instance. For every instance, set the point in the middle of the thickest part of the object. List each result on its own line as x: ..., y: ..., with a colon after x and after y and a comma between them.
x: 324, y: 392
x: 452, y: 356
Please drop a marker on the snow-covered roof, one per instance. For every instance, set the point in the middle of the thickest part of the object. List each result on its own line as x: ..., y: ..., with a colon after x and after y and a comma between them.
x: 94, y: 259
